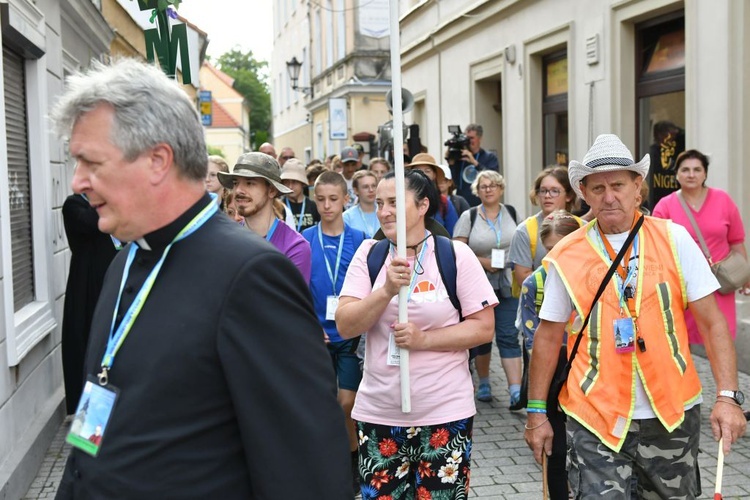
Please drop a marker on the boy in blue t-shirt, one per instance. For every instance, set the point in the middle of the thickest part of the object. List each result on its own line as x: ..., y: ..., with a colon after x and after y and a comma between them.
x: 333, y: 245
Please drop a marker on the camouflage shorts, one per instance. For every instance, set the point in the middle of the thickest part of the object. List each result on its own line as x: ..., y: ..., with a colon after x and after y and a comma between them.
x: 652, y: 462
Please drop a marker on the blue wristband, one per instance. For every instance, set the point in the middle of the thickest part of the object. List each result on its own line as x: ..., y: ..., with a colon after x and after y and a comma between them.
x: 536, y: 410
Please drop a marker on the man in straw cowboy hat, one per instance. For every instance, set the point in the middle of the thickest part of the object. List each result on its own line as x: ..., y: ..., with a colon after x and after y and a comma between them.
x: 633, y: 394
x: 256, y: 182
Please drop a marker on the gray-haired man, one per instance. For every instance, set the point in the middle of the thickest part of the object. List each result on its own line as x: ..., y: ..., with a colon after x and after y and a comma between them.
x: 200, y: 388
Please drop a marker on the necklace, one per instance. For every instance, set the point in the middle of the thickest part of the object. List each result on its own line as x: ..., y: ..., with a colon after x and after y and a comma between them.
x: 698, y: 200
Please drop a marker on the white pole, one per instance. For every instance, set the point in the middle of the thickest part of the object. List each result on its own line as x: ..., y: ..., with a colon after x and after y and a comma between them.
x: 398, y: 161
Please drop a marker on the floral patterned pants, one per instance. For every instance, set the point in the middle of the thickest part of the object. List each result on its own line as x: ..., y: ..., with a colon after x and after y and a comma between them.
x: 415, y: 463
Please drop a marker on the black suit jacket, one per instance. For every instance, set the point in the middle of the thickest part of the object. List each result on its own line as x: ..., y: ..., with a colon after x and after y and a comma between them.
x: 226, y: 388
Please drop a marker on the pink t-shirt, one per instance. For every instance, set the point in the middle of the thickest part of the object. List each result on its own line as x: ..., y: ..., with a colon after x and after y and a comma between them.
x: 441, y: 386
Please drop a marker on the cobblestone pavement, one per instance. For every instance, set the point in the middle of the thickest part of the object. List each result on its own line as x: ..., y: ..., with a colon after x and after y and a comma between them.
x: 503, y: 467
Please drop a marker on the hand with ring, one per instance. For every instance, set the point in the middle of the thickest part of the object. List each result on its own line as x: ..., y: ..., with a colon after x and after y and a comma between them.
x: 397, y: 275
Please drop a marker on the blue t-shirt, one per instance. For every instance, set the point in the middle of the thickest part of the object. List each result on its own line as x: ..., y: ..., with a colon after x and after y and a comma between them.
x: 320, y: 281
x: 367, y: 222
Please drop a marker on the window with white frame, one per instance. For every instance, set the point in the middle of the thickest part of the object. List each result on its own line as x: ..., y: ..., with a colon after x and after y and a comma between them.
x: 25, y: 177
x: 318, y: 48
x: 341, y: 29
x: 329, y: 33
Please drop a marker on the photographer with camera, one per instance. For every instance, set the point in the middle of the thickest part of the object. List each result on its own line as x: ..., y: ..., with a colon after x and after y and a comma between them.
x: 467, y: 158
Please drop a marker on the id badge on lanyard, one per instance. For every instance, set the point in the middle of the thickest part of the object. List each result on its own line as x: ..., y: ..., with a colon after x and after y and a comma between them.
x: 92, y: 416
x: 332, y: 303
x: 498, y: 258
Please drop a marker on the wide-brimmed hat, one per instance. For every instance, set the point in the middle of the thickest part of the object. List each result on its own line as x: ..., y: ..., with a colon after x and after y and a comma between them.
x: 349, y: 154
x: 446, y: 172
x: 255, y: 165
x: 607, y: 154
x: 294, y: 170
x: 429, y: 160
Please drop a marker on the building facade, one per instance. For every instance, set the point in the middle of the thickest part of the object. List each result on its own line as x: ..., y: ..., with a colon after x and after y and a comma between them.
x: 43, y: 41
x: 229, y: 130
x: 544, y: 78
x: 343, y: 46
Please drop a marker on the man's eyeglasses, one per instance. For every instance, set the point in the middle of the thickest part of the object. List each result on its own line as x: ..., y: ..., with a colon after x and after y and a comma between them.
x: 553, y: 193
x: 488, y: 187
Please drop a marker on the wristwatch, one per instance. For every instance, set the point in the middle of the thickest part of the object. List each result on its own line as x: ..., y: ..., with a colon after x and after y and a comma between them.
x: 738, y: 397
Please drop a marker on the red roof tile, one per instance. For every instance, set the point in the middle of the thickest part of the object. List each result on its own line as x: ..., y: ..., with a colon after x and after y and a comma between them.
x: 228, y: 80
x: 221, y: 117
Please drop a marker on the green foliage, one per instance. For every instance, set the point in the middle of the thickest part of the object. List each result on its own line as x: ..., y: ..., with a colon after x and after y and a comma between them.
x: 250, y: 80
x: 214, y: 151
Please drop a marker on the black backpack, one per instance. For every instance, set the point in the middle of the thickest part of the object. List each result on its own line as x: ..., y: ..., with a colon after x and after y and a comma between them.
x: 446, y: 260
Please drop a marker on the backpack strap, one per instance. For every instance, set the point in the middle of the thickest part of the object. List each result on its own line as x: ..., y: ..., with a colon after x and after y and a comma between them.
x: 539, y: 298
x: 472, y: 217
x: 376, y: 258
x: 445, y: 254
x: 512, y: 211
x: 532, y: 225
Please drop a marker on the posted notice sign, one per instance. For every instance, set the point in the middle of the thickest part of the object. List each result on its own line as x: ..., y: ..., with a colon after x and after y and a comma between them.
x: 204, y: 98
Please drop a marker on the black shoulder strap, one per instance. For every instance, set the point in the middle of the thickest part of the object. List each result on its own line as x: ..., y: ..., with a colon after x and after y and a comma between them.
x: 445, y: 255
x: 376, y: 258
x: 602, y: 287
x: 512, y: 211
x: 472, y: 217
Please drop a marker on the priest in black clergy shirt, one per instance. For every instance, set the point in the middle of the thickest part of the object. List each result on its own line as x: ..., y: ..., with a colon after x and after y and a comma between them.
x: 226, y: 390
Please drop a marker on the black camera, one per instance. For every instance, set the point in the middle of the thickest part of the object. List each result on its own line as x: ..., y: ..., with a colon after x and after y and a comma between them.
x: 456, y: 144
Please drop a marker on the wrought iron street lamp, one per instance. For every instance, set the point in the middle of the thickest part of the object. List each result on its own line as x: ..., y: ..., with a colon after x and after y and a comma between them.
x: 293, y: 68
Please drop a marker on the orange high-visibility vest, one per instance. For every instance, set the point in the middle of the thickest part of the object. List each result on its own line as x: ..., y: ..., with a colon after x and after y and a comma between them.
x: 600, y: 391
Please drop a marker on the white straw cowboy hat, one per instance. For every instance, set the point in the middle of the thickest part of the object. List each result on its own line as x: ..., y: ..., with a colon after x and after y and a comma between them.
x: 255, y: 165
x: 607, y: 154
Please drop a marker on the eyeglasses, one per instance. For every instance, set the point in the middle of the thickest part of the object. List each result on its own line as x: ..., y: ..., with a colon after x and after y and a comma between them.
x: 553, y: 193
x: 287, y: 157
x: 488, y: 187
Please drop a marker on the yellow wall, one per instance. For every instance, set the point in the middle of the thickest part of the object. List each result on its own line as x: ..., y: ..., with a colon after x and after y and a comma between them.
x: 229, y: 140
x: 225, y: 95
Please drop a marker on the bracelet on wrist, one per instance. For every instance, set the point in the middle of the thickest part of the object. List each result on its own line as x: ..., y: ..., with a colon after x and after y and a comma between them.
x: 526, y: 426
x: 536, y: 403
x: 536, y: 410
x: 728, y: 402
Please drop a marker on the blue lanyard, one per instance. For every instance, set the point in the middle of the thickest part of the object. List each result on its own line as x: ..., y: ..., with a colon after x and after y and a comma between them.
x: 621, y: 285
x: 333, y: 276
x: 369, y: 230
x: 272, y: 229
x: 495, y: 225
x: 117, y: 337
x: 414, y: 271
x: 301, y: 212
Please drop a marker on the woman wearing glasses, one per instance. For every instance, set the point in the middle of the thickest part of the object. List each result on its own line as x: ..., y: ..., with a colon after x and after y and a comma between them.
x: 488, y: 230
x: 551, y: 192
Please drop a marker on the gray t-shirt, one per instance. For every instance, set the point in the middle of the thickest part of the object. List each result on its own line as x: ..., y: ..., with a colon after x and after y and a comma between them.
x: 482, y: 239
x: 520, y: 247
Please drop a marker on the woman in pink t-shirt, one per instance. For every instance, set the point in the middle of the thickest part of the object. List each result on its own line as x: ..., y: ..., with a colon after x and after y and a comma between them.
x: 718, y: 219
x: 429, y: 449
